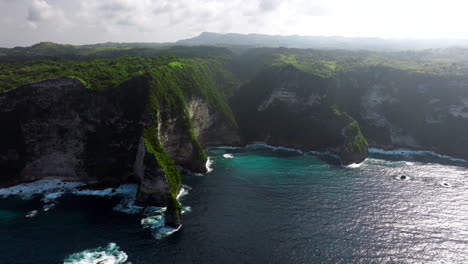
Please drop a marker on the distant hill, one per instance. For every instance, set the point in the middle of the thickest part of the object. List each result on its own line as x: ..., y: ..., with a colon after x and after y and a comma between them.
x: 319, y: 42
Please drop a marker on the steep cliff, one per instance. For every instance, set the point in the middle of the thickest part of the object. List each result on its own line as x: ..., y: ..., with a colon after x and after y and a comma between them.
x: 138, y: 131
x: 397, y: 108
x: 285, y: 105
x: 415, y: 100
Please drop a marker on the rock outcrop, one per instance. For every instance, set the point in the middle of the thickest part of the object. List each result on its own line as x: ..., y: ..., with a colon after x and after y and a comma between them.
x: 397, y: 108
x: 210, y: 126
x: 58, y: 128
x: 285, y: 106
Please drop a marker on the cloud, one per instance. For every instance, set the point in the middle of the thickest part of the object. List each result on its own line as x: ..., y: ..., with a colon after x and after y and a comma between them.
x: 39, y: 11
x: 268, y: 5
x: 162, y: 7
x: 89, y: 21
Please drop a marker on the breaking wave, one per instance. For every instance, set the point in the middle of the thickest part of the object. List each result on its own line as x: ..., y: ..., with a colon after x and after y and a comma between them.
x: 102, y: 255
x: 408, y: 153
x: 209, y: 163
x: 228, y: 156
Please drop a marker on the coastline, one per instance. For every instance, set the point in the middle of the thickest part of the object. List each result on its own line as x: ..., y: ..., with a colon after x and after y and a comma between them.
x: 407, y: 149
x: 372, y: 149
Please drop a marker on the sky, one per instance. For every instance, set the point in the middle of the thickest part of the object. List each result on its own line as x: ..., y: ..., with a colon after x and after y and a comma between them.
x: 26, y: 22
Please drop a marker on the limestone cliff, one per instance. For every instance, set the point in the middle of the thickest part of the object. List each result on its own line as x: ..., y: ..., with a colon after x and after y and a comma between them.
x: 398, y: 108
x: 58, y: 128
x: 286, y: 106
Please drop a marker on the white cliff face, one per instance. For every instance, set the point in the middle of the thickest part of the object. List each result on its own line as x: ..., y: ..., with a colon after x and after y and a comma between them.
x: 210, y: 126
x: 286, y: 96
x: 282, y: 95
x: 461, y: 109
x: 371, y: 103
x: 175, y: 139
x: 407, y: 109
x: 200, y: 113
x: 372, y: 111
x: 291, y: 108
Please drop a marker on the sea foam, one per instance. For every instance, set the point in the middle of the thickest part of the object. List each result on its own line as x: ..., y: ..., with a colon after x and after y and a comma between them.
x: 209, y: 163
x: 155, y: 218
x: 354, y: 165
x: 266, y: 146
x: 410, y: 153
x: 102, y: 255
x: 48, y: 188
x: 51, y: 190
x: 228, y: 156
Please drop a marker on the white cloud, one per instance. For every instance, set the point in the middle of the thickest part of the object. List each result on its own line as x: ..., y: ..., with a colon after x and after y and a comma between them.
x: 40, y: 11
x: 91, y: 21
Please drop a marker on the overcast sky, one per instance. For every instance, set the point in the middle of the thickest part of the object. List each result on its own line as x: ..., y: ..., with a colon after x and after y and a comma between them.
x: 25, y: 22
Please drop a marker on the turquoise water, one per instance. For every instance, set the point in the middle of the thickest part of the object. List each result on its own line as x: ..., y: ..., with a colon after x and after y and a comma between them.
x: 267, y: 206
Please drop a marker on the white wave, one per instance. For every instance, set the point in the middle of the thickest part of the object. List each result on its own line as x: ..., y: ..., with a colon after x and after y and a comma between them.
x: 48, y: 207
x: 165, y: 231
x: 102, y: 255
x: 409, y: 153
x: 409, y: 163
x: 266, y: 146
x: 27, y: 190
x: 126, y: 189
x: 155, y: 218
x: 186, y: 209
x: 354, y: 165
x: 127, y: 206
x: 153, y: 210
x: 51, y: 190
x: 228, y: 156
x: 225, y: 147
x: 280, y: 148
x: 323, y: 153
x: 51, y: 197
x: 156, y: 223
x: 31, y: 214
x: 259, y: 146
x: 183, y: 192
x: 209, y: 163
x: 153, y: 222
x: 54, y: 189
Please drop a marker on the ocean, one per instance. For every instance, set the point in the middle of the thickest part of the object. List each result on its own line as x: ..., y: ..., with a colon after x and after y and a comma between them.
x: 259, y: 204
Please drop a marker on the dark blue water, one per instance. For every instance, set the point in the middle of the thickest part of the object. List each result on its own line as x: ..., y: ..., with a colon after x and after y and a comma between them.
x: 270, y: 206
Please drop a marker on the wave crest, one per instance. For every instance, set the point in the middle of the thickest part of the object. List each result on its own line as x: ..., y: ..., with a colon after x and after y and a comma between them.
x: 102, y: 255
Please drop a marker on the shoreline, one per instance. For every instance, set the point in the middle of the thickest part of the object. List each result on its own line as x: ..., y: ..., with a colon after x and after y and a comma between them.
x: 404, y: 149
x: 372, y: 149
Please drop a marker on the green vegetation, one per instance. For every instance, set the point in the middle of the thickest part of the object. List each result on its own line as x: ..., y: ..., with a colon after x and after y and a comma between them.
x: 330, y: 63
x: 336, y: 78
x: 176, y: 64
x: 321, y: 68
x: 172, y: 80
x: 356, y: 142
x: 182, y: 77
x: 154, y: 147
x: 336, y: 110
